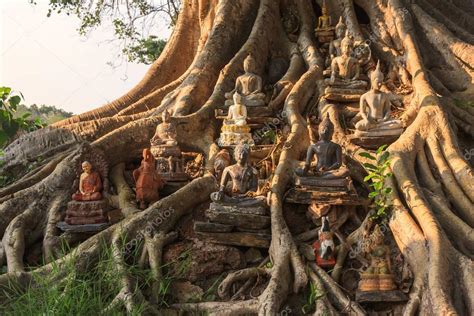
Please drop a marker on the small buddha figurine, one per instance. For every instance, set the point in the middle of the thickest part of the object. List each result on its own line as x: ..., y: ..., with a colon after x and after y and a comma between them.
x: 324, y: 247
x: 165, y: 132
x: 335, y: 45
x: 328, y: 155
x: 378, y: 276
x: 375, y: 110
x: 345, y: 69
x: 90, y: 185
x: 249, y: 86
x: 235, y: 129
x: 237, y: 114
x: 148, y: 180
x: 244, y: 178
x: 324, y: 21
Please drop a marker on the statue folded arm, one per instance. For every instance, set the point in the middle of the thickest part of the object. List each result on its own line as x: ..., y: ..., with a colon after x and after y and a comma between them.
x: 309, y: 156
x: 338, y: 163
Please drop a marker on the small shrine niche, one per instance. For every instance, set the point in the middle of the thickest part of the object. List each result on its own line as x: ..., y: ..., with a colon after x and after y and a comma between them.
x: 89, y: 210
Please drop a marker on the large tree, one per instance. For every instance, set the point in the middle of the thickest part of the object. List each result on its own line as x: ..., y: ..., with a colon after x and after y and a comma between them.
x: 433, y: 192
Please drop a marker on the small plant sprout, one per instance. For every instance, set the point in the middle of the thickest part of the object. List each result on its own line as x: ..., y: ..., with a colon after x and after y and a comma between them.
x: 378, y: 172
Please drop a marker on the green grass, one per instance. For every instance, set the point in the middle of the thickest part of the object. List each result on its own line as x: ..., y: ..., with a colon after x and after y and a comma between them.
x: 76, y: 295
x: 90, y: 293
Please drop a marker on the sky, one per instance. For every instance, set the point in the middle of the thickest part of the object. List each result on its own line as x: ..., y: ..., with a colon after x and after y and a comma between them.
x: 50, y: 63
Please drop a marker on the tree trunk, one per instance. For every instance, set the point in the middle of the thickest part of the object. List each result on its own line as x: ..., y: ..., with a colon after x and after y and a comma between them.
x: 433, y: 191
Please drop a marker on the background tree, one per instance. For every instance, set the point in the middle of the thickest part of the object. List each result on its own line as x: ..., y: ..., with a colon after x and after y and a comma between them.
x: 432, y: 191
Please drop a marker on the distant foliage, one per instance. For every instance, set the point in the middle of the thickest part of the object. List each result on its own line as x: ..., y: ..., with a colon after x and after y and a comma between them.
x: 11, y: 124
x: 378, y: 173
x: 146, y: 51
x: 46, y: 113
x: 133, y: 22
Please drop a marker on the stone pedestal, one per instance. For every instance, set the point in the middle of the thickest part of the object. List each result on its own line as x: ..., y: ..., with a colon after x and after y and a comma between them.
x: 337, y: 94
x: 325, y: 36
x: 380, y: 296
x: 247, y: 226
x: 83, y: 213
x: 169, y: 163
x: 232, y: 135
x: 373, y: 142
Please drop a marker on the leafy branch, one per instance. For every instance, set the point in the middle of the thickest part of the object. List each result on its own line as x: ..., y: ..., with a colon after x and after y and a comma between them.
x: 376, y: 178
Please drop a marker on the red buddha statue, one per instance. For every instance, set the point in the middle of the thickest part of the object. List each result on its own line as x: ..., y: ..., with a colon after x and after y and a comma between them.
x: 90, y: 185
x: 148, y: 180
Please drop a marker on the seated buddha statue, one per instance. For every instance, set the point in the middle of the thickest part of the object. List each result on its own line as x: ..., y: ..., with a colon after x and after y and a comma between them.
x: 329, y: 162
x: 147, y: 180
x: 345, y: 69
x: 378, y: 276
x: 375, y: 110
x: 244, y: 180
x: 165, y: 132
x: 165, y: 149
x: 235, y: 129
x: 90, y: 185
x: 324, y: 29
x: 335, y: 45
x: 249, y: 86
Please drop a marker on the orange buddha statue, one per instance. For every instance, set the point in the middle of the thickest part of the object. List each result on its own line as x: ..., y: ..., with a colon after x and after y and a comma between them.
x: 90, y: 185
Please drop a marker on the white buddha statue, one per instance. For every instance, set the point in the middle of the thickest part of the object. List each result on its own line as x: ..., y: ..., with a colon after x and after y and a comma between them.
x: 375, y: 110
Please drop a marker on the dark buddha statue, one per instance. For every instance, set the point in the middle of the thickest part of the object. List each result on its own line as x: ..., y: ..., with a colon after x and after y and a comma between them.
x: 329, y: 162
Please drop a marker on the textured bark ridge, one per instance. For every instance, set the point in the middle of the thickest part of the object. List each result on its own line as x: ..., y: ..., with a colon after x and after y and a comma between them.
x: 431, y: 45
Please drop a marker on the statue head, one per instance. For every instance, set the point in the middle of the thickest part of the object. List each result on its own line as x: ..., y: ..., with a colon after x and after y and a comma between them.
x: 250, y: 64
x: 237, y: 97
x: 165, y: 116
x: 87, y: 167
x: 241, y: 153
x: 341, y: 28
x: 347, y: 44
x: 376, y: 78
x: 325, y: 8
x: 147, y: 155
x: 326, y: 129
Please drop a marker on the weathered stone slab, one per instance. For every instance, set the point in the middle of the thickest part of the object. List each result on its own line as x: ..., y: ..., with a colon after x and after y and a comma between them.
x: 302, y: 196
x: 257, y: 209
x: 380, y: 296
x: 238, y: 219
x: 373, y: 142
x: 238, y: 239
x: 212, y: 227
x: 87, y: 206
x: 341, y: 184
x: 90, y: 228
x: 343, y: 95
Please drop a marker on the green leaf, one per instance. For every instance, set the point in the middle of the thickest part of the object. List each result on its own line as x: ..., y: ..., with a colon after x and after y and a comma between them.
x: 378, y: 186
x: 387, y: 190
x: 370, y: 166
x: 373, y: 194
x: 26, y: 115
x: 381, y: 149
x: 370, y: 176
x: 383, y: 158
x: 14, y: 102
x: 3, y: 139
x: 367, y: 155
x: 5, y: 91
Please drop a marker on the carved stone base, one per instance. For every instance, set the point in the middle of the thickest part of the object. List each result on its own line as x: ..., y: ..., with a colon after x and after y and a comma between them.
x: 325, y: 36
x: 373, y: 142
x: 83, y: 213
x: 379, y: 133
x: 174, y: 177
x: 165, y: 151
x: 324, y: 184
x: 234, y: 225
x: 343, y: 95
x: 376, y: 282
x: 228, y: 139
x: 380, y: 296
x: 324, y: 195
